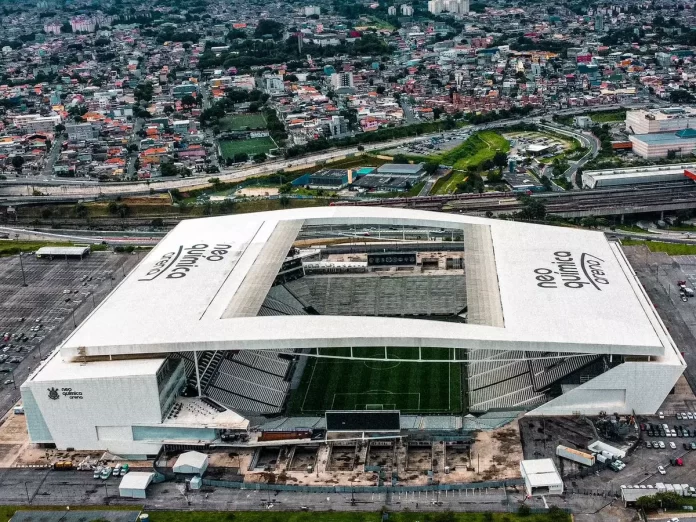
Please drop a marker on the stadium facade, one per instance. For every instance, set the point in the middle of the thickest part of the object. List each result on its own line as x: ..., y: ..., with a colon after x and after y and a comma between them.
x: 208, y: 331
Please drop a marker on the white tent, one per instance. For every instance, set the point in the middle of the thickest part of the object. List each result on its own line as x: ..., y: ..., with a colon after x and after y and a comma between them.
x: 191, y: 462
x: 134, y: 484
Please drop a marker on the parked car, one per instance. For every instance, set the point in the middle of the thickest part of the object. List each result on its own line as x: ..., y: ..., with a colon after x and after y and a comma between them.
x: 672, y: 445
x: 105, y: 473
x: 661, y: 444
x: 661, y: 470
x: 97, y: 472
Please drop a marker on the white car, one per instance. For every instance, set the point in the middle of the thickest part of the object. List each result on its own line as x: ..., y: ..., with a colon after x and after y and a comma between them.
x: 661, y: 470
x: 672, y: 445
x: 661, y: 444
x: 690, y: 416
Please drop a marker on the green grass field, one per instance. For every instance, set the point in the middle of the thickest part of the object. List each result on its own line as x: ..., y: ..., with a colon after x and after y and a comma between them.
x: 607, y: 117
x: 475, y: 150
x: 672, y: 249
x: 12, y: 247
x: 400, y: 384
x: 251, y: 146
x: 235, y: 122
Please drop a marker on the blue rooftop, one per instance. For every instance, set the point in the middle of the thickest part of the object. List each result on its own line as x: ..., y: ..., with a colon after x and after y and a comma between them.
x: 665, y: 138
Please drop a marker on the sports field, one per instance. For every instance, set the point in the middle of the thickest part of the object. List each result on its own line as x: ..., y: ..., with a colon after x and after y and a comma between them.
x: 235, y: 122
x: 251, y: 146
x: 399, y: 383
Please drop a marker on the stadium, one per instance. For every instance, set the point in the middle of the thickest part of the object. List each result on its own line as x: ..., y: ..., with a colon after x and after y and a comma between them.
x: 232, y: 322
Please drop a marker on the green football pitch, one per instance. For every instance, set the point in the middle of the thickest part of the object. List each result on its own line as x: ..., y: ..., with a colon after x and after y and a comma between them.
x: 252, y: 146
x: 243, y: 121
x: 397, y: 384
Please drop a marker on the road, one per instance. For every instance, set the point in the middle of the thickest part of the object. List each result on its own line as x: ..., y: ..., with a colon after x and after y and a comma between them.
x: 38, y: 487
x: 588, y: 140
x: 95, y: 189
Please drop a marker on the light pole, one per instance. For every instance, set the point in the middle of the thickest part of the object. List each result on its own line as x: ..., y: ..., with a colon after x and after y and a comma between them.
x: 26, y: 488
x: 21, y: 265
x: 73, y: 318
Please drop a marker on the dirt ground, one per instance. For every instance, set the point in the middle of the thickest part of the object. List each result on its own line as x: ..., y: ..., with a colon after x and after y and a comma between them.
x: 261, y: 191
x: 495, y: 455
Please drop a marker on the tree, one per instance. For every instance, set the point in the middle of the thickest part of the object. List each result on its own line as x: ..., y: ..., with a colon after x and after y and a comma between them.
x: 285, y: 188
x: 168, y: 109
x: 500, y: 159
x: 269, y: 27
x: 380, y: 90
x: 17, y: 163
x: 80, y: 210
x: 143, y: 92
x: 188, y: 101
x: 241, y: 157
x: 168, y: 169
x: 157, y: 223
x: 495, y: 176
x: 524, y: 510
x: 284, y: 201
x: 59, y: 128
x: 260, y: 157
x: 532, y: 209
x: 400, y: 158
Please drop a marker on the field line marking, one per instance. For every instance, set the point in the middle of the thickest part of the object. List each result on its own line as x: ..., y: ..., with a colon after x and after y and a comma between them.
x: 309, y: 386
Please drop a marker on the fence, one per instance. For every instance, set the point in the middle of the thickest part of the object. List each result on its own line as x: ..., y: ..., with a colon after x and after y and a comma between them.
x: 360, y: 489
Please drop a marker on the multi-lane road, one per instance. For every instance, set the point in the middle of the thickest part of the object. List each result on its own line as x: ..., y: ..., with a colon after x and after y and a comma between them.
x: 19, y: 190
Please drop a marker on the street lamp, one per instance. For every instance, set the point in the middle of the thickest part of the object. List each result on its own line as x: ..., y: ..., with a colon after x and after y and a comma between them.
x: 21, y: 265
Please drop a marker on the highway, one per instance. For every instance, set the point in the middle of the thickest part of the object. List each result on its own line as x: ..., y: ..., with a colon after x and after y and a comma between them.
x: 21, y: 190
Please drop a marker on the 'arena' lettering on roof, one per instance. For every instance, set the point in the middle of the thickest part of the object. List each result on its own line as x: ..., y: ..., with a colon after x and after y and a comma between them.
x: 572, y: 272
x: 179, y: 263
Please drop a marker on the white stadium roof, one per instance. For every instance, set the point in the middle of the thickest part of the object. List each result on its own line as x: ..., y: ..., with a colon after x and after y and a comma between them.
x: 532, y: 287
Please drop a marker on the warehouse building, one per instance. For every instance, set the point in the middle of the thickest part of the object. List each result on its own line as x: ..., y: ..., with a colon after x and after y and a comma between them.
x: 652, y: 146
x: 202, y: 335
x: 607, y: 178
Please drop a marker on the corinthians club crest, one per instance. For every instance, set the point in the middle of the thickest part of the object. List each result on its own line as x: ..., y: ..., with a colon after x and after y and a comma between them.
x: 53, y: 394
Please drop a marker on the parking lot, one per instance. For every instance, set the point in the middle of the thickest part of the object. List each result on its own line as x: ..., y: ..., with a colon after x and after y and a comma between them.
x: 35, y: 318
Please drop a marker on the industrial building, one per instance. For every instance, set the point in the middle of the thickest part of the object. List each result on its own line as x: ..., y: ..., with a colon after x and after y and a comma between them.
x: 208, y: 330
x: 651, y: 121
x: 660, y: 145
x: 606, y: 178
x: 392, y: 177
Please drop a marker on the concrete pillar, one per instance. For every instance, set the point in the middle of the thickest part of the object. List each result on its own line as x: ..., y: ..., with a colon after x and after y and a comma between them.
x: 198, y: 376
x: 622, y: 219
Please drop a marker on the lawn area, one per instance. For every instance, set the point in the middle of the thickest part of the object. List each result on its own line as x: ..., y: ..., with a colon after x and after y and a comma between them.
x: 396, y: 384
x: 672, y: 249
x: 235, y: 122
x: 10, y: 247
x: 251, y: 146
x: 607, y: 117
x: 475, y: 150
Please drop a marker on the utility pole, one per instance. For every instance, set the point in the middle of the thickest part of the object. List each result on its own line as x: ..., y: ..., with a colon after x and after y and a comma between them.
x: 27, y: 490
x: 21, y: 265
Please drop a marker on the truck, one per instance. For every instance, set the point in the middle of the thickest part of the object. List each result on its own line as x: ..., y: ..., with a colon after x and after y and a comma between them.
x: 63, y: 465
x: 601, y: 458
x: 581, y: 457
x: 600, y: 447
